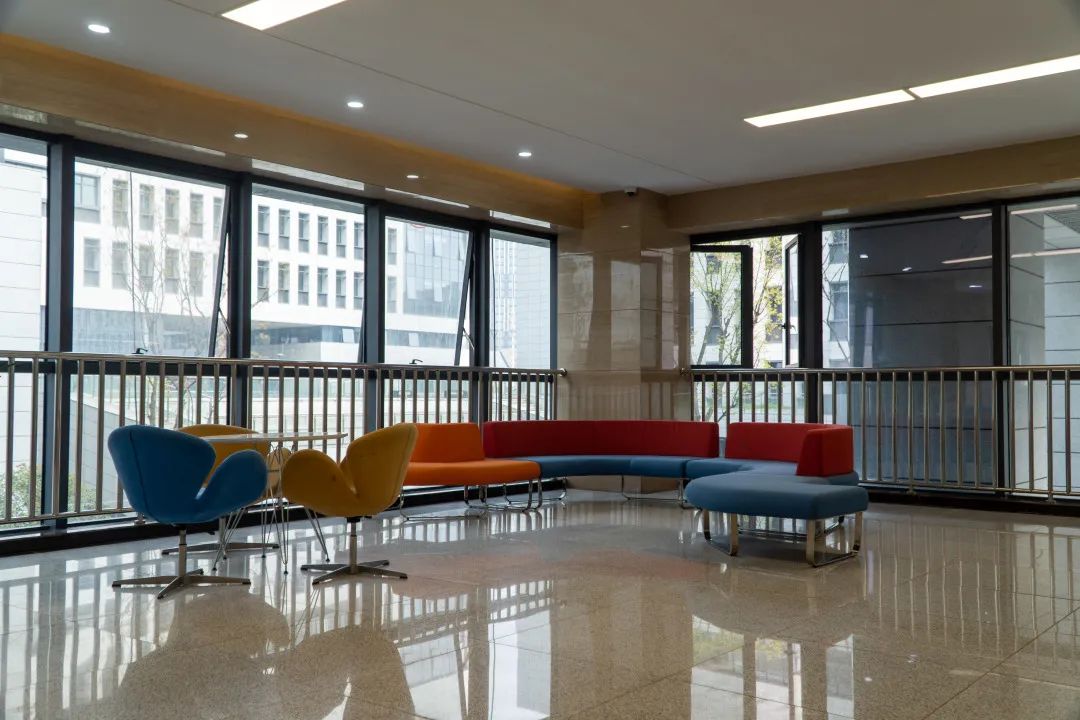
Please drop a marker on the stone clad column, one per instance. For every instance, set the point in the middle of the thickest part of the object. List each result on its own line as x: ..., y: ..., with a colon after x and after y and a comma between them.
x: 623, y: 312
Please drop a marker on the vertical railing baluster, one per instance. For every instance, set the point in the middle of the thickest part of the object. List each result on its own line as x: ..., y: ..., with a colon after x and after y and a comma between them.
x: 217, y: 393
x: 141, y: 399
x: 99, y: 479
x: 959, y: 430
x: 977, y: 431
x: 892, y: 427
x: 1050, y: 435
x: 32, y: 500
x: 941, y: 422
x: 994, y: 459
x: 9, y: 440
x: 161, y: 394
x: 325, y: 407
x: 265, y: 396
x: 877, y: 422
x: 1068, y: 432
x: 926, y: 425
x: 198, y: 392
x: 862, y: 422
x: 180, y: 392
x: 79, y: 389
x: 910, y: 431
x: 1014, y: 457
x: 1031, y: 428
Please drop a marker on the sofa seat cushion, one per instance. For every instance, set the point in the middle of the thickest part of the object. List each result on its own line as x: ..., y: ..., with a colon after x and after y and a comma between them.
x: 576, y: 465
x: 664, y: 466
x: 774, y: 496
x: 471, y: 472
x: 721, y: 466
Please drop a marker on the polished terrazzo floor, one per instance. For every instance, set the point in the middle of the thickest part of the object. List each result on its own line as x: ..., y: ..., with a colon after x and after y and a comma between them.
x: 598, y: 608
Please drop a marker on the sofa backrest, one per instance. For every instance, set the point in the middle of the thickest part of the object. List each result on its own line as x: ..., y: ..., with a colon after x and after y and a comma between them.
x: 447, y: 442
x: 819, y: 450
x: 532, y: 438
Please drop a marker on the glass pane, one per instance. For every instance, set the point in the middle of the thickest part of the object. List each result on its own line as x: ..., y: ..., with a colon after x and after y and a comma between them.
x: 716, y: 294
x: 716, y: 308
x: 908, y: 293
x: 791, y: 304
x: 314, y: 322
x: 23, y: 198
x: 520, y: 301
x: 148, y: 288
x: 425, y: 268
x: 1044, y: 283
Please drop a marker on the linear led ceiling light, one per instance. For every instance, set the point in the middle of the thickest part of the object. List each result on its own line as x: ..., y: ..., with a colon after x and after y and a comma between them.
x: 265, y: 14
x: 833, y: 108
x: 998, y: 77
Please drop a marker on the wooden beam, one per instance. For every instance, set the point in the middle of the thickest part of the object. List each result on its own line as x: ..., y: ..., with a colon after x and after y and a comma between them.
x: 70, y: 85
x: 1003, y: 172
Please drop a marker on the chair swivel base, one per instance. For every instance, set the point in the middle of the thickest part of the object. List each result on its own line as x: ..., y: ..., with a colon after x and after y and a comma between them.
x: 184, y: 577
x: 336, y: 570
x: 332, y: 571
x: 223, y: 533
x: 173, y: 583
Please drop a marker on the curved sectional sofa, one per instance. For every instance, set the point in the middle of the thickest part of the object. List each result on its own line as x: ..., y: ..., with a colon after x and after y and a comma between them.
x: 561, y: 448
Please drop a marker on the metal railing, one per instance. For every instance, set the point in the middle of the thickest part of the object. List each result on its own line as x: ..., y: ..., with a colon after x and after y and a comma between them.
x: 994, y: 430
x: 57, y: 409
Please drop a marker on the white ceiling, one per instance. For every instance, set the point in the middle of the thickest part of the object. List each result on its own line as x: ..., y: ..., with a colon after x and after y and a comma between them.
x: 615, y: 93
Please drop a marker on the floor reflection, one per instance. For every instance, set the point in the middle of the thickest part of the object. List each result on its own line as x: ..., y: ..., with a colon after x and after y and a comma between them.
x: 598, y: 608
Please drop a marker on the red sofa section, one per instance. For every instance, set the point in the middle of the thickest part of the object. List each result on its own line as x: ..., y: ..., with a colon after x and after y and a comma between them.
x: 817, y: 449
x: 530, y: 438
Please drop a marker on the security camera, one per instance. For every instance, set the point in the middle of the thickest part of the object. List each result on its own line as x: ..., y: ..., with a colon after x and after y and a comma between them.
x: 630, y: 192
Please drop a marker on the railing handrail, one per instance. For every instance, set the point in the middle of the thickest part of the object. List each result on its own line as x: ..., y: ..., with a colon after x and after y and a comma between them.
x: 876, y: 371
x: 200, y: 360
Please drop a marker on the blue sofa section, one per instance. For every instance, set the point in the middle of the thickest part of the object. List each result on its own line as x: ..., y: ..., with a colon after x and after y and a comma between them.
x: 697, y: 468
x: 767, y: 495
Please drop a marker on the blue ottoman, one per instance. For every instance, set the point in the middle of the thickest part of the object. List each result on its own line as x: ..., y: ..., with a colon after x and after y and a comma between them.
x: 764, y: 495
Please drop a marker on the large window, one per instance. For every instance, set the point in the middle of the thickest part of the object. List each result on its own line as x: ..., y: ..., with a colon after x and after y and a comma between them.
x: 737, y: 302
x: 1044, y: 282
x: 87, y: 197
x: 284, y: 223
x: 908, y: 293
x: 342, y: 238
x: 91, y: 262
x: 121, y: 202
x: 196, y: 215
x: 286, y: 328
x: 165, y: 309
x: 520, y: 312
x: 429, y: 282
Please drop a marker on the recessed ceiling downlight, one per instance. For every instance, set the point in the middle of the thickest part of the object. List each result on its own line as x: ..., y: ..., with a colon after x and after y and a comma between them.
x: 524, y: 153
x: 355, y: 104
x: 240, y: 136
x: 265, y: 14
x: 99, y: 28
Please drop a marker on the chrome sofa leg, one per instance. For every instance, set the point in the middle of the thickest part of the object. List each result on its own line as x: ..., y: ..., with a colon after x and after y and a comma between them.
x: 705, y: 530
x: 733, y: 534
x: 811, y: 541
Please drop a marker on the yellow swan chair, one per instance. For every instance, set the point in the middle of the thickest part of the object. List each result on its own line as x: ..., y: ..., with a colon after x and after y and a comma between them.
x: 367, y: 482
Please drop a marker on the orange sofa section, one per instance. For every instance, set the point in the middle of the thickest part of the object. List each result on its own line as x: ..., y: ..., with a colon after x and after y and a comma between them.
x: 453, y: 454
